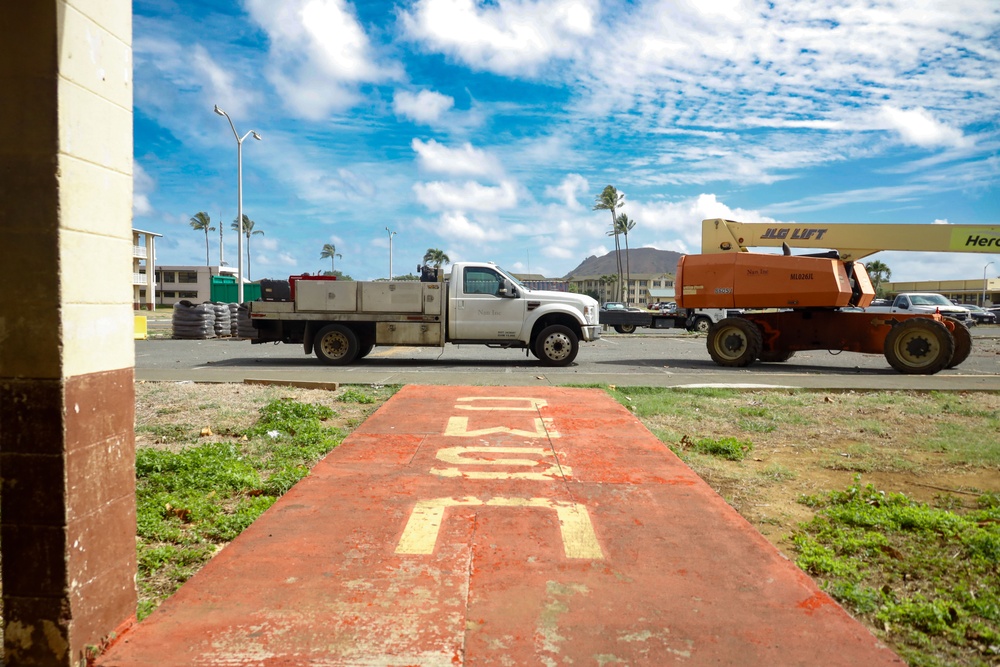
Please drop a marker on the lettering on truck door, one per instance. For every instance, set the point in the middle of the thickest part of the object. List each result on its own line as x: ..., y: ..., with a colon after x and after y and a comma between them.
x: 481, y: 312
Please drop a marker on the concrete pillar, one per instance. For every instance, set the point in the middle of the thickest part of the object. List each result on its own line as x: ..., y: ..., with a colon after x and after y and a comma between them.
x: 67, y: 483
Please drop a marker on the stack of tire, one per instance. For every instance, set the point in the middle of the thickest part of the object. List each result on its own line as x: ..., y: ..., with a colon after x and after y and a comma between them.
x: 234, y: 319
x: 193, y: 321
x: 223, y: 325
x: 244, y: 326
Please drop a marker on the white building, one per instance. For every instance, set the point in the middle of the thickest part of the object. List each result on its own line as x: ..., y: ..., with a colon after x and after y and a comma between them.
x: 187, y: 283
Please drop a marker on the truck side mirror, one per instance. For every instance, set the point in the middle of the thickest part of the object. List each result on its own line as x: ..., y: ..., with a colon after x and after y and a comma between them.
x: 507, y: 290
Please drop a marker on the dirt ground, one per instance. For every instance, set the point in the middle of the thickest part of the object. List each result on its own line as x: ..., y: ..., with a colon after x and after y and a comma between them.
x: 819, y: 442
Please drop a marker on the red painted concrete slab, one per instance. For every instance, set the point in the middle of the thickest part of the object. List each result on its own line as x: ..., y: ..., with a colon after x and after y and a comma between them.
x: 500, y: 526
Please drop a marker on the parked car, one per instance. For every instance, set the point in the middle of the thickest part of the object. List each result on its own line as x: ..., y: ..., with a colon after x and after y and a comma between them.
x: 980, y: 315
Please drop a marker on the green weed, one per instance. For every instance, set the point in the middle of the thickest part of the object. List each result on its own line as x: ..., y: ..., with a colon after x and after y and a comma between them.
x: 355, y: 396
x: 925, y: 575
x: 191, y: 500
x: 731, y: 449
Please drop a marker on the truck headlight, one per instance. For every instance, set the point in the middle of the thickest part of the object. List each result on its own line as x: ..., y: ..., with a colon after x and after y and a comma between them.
x: 590, y: 314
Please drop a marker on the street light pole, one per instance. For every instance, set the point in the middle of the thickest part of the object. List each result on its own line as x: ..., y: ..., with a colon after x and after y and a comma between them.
x: 239, y: 198
x: 391, y: 234
x: 984, y: 282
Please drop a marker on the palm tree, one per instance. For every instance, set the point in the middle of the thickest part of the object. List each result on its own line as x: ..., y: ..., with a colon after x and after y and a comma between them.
x: 247, y: 231
x: 625, y: 225
x: 611, y: 200
x: 879, y: 273
x: 330, y: 250
x: 201, y: 222
x: 436, y: 257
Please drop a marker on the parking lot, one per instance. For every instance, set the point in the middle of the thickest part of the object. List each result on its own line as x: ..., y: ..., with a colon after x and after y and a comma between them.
x: 652, y: 358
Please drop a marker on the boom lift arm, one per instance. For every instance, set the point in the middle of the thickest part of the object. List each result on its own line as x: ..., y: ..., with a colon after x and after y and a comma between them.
x: 852, y: 241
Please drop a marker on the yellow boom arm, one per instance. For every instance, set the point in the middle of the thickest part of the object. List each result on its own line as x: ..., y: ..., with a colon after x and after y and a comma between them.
x: 853, y: 241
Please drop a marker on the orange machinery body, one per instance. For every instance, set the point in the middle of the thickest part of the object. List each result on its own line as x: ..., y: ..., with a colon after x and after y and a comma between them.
x: 757, y: 280
x: 801, y: 297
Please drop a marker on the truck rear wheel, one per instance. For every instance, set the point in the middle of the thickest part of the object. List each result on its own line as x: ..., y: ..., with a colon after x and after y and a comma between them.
x: 625, y: 328
x: 919, y: 346
x: 734, y: 341
x: 556, y: 345
x: 963, y: 343
x: 701, y: 324
x: 336, y: 345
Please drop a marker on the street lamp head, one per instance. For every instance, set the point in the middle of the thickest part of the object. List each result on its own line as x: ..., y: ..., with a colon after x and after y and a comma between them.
x: 219, y: 111
x: 253, y: 133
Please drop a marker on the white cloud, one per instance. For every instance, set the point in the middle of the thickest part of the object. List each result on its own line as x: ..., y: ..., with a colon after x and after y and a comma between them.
x: 918, y: 127
x: 568, y: 190
x: 457, y: 226
x: 682, y: 219
x: 142, y: 185
x: 319, y: 53
x: 469, y: 196
x: 427, y: 107
x: 516, y: 36
x: 462, y: 161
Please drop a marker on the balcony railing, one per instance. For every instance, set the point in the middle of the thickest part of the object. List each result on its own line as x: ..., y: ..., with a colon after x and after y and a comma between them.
x: 139, y: 251
x: 138, y: 278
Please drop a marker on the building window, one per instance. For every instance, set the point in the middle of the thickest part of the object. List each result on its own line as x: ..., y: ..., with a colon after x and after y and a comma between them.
x: 168, y: 276
x: 168, y: 295
x: 642, y: 283
x: 187, y: 277
x: 187, y: 295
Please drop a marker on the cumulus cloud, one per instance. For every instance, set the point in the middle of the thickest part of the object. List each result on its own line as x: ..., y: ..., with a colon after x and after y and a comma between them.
x: 459, y: 227
x: 426, y: 107
x: 319, y: 54
x: 464, y: 160
x: 569, y: 190
x: 678, y: 224
x: 516, y: 36
x: 917, y: 127
x: 469, y: 196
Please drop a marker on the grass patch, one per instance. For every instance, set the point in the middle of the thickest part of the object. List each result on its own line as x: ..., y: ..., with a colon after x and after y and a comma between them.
x: 191, y: 501
x: 924, y: 577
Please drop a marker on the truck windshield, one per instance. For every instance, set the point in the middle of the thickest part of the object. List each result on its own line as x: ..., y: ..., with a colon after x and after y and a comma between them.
x: 512, y: 278
x: 929, y: 300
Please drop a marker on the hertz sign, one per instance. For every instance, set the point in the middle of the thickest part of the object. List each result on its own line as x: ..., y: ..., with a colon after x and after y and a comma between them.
x: 972, y: 240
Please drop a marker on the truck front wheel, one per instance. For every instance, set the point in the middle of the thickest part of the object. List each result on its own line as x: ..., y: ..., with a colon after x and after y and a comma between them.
x: 735, y: 341
x: 919, y: 346
x: 556, y: 345
x: 336, y: 345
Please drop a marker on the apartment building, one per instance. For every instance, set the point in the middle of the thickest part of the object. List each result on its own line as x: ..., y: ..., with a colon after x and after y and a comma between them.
x: 143, y: 261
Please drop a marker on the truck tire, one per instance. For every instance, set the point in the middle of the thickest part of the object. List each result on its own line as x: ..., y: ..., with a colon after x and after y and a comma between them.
x: 735, y: 342
x: 777, y: 356
x: 963, y: 343
x: 336, y: 345
x: 625, y: 328
x: 919, y: 346
x: 365, y: 349
x: 701, y: 324
x: 556, y: 345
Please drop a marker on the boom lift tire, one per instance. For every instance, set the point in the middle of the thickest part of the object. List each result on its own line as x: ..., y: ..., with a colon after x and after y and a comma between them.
x: 919, y: 346
x: 735, y: 342
x: 556, y: 345
x: 963, y: 343
x: 625, y: 328
x: 336, y: 345
x: 777, y: 356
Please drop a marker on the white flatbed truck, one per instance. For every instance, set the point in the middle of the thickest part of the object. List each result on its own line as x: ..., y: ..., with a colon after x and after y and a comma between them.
x: 341, y: 321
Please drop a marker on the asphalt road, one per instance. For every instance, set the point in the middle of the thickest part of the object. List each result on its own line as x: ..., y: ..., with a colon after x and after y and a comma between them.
x: 666, y: 359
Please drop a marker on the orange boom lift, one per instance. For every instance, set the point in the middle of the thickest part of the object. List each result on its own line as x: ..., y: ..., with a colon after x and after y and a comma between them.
x: 796, y: 302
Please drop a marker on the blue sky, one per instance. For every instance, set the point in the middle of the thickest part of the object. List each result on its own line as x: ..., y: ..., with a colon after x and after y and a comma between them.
x: 487, y: 128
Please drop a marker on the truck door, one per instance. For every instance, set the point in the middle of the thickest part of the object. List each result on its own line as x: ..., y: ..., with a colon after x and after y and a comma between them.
x: 482, y: 312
